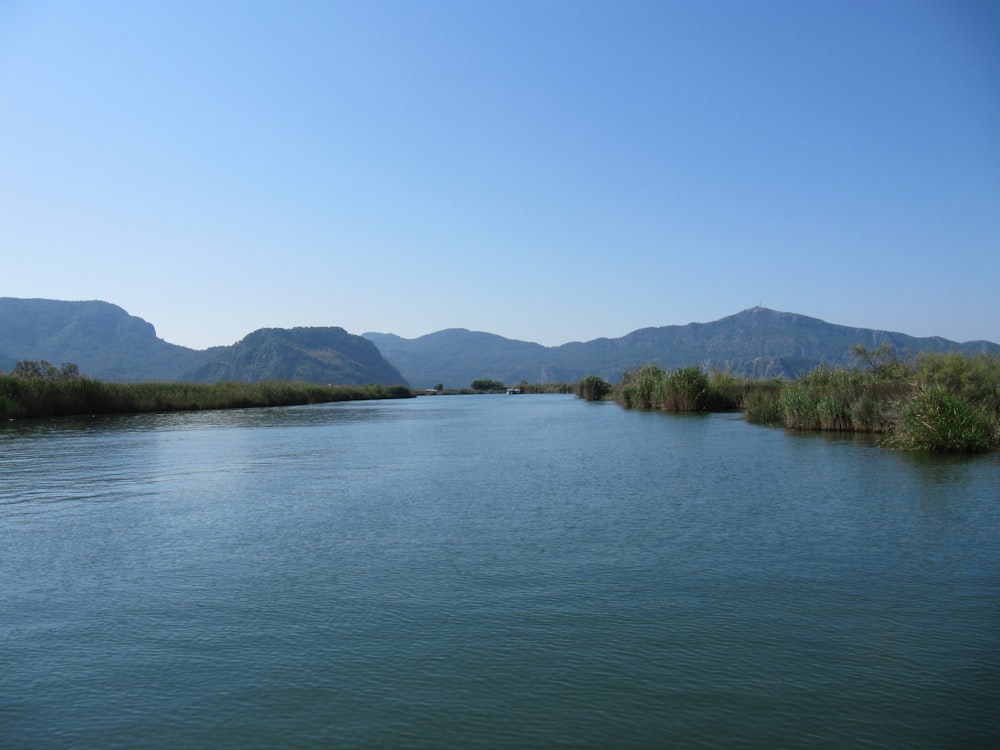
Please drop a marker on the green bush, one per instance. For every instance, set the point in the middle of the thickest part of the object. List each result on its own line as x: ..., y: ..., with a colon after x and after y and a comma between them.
x: 484, y: 384
x: 593, y: 388
x: 976, y: 379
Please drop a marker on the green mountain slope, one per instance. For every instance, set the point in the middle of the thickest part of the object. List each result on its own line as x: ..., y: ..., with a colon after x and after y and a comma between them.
x: 108, y: 343
x: 312, y: 355
x: 104, y: 340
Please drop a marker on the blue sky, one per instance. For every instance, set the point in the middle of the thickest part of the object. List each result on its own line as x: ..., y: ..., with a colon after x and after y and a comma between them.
x: 549, y: 171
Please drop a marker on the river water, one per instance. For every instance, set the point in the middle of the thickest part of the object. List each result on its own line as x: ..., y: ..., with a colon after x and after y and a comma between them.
x: 490, y: 571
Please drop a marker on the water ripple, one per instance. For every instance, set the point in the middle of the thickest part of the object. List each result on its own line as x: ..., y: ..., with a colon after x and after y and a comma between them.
x: 490, y: 573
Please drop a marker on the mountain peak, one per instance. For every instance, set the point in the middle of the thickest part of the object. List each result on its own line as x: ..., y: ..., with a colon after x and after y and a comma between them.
x: 105, y: 342
x: 755, y: 343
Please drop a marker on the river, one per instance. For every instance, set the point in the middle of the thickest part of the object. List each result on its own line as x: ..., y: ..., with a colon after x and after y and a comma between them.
x: 490, y: 571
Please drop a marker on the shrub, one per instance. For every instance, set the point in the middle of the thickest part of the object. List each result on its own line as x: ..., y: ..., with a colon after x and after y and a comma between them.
x: 593, y: 388
x: 976, y: 379
x: 484, y: 384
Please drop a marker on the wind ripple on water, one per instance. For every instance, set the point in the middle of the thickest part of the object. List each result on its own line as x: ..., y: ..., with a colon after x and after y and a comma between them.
x: 506, y: 572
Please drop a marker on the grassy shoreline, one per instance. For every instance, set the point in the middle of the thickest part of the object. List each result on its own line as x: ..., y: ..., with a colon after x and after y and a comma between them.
x: 28, y: 398
x: 932, y: 402
x: 946, y: 403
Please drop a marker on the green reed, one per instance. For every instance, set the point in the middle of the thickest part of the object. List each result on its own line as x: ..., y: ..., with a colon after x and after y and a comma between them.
x: 933, y: 402
x: 47, y: 397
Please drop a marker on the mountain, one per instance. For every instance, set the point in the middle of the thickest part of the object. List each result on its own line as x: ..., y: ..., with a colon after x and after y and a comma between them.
x: 108, y: 343
x: 311, y: 355
x: 102, y: 339
x: 755, y: 343
x: 105, y: 342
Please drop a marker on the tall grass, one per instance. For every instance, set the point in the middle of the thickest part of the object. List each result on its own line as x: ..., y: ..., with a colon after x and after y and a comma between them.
x: 835, y: 400
x: 686, y: 389
x: 934, y: 402
x: 938, y: 420
x: 46, y: 397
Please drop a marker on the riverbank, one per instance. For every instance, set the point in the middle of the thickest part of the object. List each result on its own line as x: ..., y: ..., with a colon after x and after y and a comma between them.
x: 948, y: 403
x: 25, y: 398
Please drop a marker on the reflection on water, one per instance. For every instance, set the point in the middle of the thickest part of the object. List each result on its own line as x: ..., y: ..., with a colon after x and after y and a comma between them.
x: 490, y: 571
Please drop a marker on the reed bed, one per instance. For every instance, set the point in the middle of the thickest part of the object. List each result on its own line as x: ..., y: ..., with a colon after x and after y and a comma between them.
x: 22, y: 397
x: 933, y: 402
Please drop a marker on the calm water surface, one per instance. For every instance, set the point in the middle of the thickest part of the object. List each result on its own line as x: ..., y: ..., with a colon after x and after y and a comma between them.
x: 490, y: 571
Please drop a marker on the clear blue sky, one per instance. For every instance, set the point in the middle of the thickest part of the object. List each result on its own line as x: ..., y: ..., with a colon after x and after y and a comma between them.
x: 549, y: 171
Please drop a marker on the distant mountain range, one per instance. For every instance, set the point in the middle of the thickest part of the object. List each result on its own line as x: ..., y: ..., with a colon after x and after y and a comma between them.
x: 108, y: 343
x: 755, y: 343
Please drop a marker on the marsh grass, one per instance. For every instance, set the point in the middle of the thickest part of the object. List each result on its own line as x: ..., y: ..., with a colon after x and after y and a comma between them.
x: 937, y: 420
x: 46, y: 397
x: 684, y: 390
x: 934, y: 402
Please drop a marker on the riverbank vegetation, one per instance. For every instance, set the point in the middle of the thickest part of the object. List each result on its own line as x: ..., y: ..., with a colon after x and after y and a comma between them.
x: 931, y: 402
x: 42, y: 390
